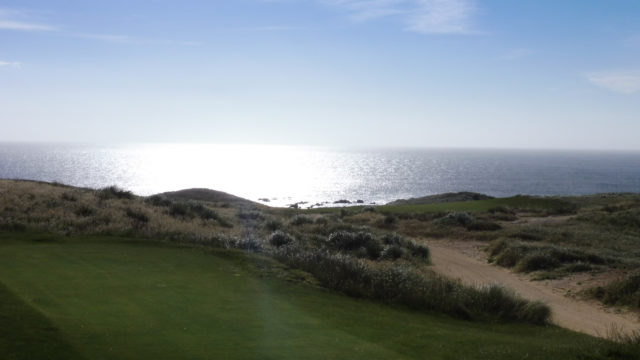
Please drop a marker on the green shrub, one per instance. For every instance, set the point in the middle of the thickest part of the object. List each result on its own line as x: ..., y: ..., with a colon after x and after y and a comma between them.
x: 621, y: 292
x: 179, y: 210
x: 68, y: 197
x: 419, y: 251
x: 410, y: 287
x: 300, y: 220
x: 191, y: 210
x: 249, y: 215
x: 273, y: 225
x: 393, y: 239
x: 526, y: 258
x: 202, y: 211
x: 114, y: 192
x: 456, y: 219
x: 158, y: 200
x: 137, y: 216
x: 537, y: 260
x: 13, y: 226
x: 484, y: 226
x: 279, y: 238
x: 500, y: 210
x: 392, y: 252
x: 322, y: 221
x: 83, y: 211
x: 348, y: 241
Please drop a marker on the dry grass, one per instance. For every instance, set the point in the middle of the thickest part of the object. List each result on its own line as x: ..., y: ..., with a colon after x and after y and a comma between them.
x: 69, y: 210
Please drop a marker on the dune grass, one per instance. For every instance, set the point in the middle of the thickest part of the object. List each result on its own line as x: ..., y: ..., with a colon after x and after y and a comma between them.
x: 116, y: 298
x: 546, y: 205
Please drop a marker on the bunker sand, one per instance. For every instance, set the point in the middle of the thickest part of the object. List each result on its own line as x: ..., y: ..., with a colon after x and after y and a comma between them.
x: 577, y: 315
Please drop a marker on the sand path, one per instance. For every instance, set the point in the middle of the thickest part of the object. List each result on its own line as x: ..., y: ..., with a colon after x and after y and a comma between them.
x: 471, y: 268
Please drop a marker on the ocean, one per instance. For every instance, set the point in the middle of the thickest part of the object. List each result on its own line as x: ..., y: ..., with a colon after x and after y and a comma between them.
x: 282, y: 175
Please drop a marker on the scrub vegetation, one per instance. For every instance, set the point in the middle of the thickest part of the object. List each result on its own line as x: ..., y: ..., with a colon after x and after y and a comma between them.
x: 368, y: 253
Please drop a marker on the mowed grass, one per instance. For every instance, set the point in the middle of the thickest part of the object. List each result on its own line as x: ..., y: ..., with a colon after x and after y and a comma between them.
x: 114, y: 298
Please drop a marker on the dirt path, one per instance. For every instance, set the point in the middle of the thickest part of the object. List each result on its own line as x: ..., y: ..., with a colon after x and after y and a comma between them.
x: 461, y: 262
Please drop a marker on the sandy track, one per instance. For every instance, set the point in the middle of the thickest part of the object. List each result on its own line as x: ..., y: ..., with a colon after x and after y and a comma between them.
x: 569, y: 313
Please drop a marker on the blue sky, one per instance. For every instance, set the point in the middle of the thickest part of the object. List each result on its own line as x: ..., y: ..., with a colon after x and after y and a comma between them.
x: 427, y: 73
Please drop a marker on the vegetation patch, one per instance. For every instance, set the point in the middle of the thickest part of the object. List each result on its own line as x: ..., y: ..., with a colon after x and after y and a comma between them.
x: 114, y: 192
x: 401, y: 284
x: 526, y: 257
x: 624, y: 292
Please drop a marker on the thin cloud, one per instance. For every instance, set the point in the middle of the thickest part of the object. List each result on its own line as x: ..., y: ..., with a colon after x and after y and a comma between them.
x: 14, y: 20
x: 126, y: 39
x: 423, y: 16
x: 443, y: 17
x: 268, y: 28
x: 517, y: 54
x: 621, y: 81
x: 13, y: 64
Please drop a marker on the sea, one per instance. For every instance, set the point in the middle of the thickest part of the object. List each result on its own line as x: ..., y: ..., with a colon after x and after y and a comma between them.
x: 315, y: 176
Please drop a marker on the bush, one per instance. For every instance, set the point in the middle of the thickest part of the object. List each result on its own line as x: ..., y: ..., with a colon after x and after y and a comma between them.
x: 202, y: 211
x: 273, y: 225
x: 537, y: 260
x: 300, y: 220
x: 500, y: 210
x: 528, y: 258
x: 417, y: 289
x: 114, y: 192
x: 279, y: 238
x: 408, y: 247
x: 247, y: 243
x: 83, y: 211
x: 344, y: 240
x: 392, y: 252
x: 322, y: 221
x: 393, y: 239
x: 158, y: 200
x: 137, y: 216
x: 69, y: 197
x: 456, y: 219
x: 13, y: 226
x: 419, y: 251
x: 621, y: 292
x: 191, y: 210
x: 249, y: 215
x: 179, y: 210
x: 483, y: 226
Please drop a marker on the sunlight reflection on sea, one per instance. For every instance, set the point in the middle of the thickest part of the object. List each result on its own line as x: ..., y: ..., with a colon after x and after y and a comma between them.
x: 286, y: 174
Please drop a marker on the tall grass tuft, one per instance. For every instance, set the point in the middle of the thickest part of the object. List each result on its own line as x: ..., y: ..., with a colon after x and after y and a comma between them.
x: 405, y: 285
x: 114, y: 192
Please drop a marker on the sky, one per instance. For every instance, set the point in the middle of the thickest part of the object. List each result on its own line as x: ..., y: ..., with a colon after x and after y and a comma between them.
x: 385, y: 73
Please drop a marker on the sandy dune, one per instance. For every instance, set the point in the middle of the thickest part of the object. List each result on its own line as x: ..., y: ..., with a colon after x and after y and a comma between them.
x: 468, y: 266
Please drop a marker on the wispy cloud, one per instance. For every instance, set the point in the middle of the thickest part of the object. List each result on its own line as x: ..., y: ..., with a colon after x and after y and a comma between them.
x: 443, y: 17
x: 620, y: 81
x: 268, y: 28
x: 423, y: 16
x: 127, y: 39
x: 19, y: 21
x: 13, y: 64
x: 363, y: 10
x: 15, y: 20
x: 517, y: 54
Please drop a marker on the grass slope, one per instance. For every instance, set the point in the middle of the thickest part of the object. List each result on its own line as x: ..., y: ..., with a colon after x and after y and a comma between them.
x: 116, y: 298
x: 27, y: 334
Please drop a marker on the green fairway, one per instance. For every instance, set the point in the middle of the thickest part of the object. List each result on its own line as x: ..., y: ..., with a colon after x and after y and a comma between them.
x: 116, y: 298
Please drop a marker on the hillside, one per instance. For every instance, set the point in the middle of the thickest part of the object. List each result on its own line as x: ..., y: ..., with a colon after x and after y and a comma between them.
x: 442, y: 198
